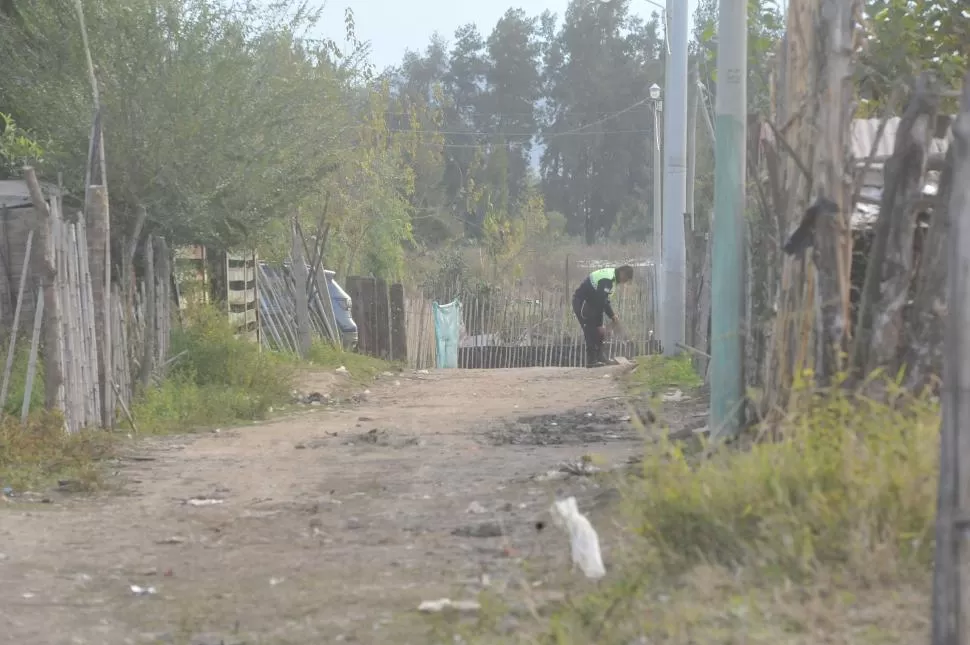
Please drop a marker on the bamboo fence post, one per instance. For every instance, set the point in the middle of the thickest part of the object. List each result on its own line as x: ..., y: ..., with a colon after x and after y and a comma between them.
x: 32, y: 361
x: 8, y: 366
x: 149, y: 315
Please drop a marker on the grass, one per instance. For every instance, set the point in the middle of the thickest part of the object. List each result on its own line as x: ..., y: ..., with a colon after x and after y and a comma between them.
x: 655, y: 373
x: 218, y: 380
x: 362, y: 369
x: 41, y: 453
x: 824, y: 534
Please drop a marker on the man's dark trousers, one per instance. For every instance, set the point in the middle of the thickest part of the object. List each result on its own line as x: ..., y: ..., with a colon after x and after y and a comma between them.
x: 590, y: 318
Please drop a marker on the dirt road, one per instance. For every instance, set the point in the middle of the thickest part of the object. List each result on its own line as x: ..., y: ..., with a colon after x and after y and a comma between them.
x: 329, y: 525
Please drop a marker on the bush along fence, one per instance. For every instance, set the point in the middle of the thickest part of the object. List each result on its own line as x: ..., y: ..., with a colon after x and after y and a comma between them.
x: 92, y: 339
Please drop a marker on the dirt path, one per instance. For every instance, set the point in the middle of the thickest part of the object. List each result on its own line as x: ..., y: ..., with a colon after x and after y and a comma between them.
x: 332, y: 524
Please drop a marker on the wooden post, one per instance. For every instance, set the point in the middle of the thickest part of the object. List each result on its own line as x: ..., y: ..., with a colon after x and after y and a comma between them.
x: 382, y: 319
x: 889, y: 273
x: 15, y: 329
x: 365, y: 323
x: 301, y: 298
x: 148, y: 353
x: 833, y: 239
x: 96, y: 215
x: 53, y: 369
x: 32, y: 360
x: 951, y: 577
x: 163, y: 299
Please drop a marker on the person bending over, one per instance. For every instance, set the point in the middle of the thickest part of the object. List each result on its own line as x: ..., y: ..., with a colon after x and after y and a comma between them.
x: 591, y: 302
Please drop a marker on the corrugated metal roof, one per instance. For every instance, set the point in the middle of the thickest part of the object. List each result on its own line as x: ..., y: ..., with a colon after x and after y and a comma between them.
x: 862, y: 137
x: 14, y: 193
x: 864, y: 134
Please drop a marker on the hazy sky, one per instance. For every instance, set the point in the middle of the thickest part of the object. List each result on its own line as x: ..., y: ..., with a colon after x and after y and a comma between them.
x: 392, y: 26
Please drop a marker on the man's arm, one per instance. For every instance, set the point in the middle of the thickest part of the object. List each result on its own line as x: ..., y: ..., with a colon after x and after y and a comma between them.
x: 603, y: 291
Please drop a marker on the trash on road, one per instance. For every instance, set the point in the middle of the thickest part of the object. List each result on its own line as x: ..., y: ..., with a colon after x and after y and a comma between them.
x: 435, y: 606
x: 582, y: 467
x: 175, y: 539
x: 143, y: 591
x: 203, y: 501
x: 341, y: 370
x: 476, y: 509
x: 550, y: 475
x: 674, y: 397
x: 584, y: 543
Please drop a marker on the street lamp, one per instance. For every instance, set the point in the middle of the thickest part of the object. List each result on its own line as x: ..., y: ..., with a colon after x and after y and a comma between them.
x: 655, y: 93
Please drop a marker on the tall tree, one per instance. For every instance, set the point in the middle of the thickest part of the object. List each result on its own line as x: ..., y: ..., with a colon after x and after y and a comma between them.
x: 217, y: 119
x: 514, y: 88
x: 595, y: 166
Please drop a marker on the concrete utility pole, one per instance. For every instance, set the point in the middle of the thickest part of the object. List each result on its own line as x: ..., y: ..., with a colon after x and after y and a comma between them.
x: 655, y: 93
x: 727, y: 279
x: 675, y: 179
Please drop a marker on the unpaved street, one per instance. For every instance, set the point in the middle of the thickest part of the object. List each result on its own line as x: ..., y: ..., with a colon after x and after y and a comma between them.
x: 332, y: 524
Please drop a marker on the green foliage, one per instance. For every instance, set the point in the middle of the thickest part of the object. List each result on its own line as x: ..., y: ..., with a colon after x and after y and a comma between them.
x: 822, y: 531
x: 598, y: 68
x: 363, y: 369
x: 654, y: 373
x: 17, y: 147
x: 18, y: 380
x: 909, y: 37
x: 41, y: 452
x: 216, y: 118
x: 218, y: 379
x: 766, y: 25
x: 850, y: 477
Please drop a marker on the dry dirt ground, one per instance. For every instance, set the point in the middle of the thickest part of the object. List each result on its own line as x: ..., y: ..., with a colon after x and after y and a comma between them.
x: 330, y: 526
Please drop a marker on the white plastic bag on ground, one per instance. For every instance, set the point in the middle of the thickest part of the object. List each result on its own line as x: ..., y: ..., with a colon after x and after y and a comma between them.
x: 584, y: 542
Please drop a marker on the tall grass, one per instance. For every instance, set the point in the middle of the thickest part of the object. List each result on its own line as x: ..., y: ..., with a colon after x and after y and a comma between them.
x: 824, y: 534
x: 217, y: 379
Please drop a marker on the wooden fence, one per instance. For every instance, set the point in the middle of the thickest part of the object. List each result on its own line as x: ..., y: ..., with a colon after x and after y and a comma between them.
x: 509, y: 329
x: 96, y: 346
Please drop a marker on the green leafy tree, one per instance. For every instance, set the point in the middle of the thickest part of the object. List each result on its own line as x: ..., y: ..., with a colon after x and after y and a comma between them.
x: 219, y: 119
x: 596, y: 165
x: 908, y: 37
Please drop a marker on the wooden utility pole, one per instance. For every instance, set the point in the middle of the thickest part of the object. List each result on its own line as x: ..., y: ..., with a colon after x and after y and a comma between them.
x: 951, y: 576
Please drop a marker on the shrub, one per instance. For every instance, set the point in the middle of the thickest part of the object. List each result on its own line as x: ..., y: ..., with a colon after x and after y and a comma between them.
x: 41, y: 451
x: 824, y: 534
x: 18, y: 378
x: 851, y: 477
x: 216, y: 379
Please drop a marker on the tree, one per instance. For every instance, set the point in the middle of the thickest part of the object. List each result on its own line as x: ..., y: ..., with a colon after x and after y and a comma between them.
x: 217, y: 119
x: 908, y: 37
x: 514, y: 88
x: 596, y: 167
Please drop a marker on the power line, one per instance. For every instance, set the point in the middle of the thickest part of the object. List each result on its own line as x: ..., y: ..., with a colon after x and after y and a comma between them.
x: 499, y: 115
x: 540, y: 135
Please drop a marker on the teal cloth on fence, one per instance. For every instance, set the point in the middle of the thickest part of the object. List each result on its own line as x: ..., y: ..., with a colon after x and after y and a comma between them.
x: 447, y: 323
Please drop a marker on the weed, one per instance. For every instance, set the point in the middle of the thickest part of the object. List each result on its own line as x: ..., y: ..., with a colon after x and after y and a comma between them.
x: 217, y: 379
x: 41, y: 452
x: 220, y: 379
x: 825, y: 534
x: 362, y: 368
x: 18, y: 379
x: 655, y: 373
